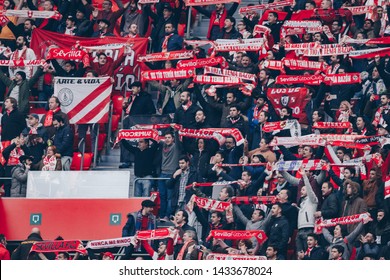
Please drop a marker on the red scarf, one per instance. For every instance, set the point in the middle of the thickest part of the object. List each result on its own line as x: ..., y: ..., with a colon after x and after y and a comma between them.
x: 59, y: 246
x: 14, y: 156
x: 216, y: 19
x: 183, y: 249
x: 165, y: 43
x: 49, y: 117
x: 49, y: 163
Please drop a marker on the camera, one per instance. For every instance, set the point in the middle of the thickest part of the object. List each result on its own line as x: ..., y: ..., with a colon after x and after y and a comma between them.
x: 198, y: 247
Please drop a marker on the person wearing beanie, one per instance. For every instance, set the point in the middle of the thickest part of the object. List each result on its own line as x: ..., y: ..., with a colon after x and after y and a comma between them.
x: 19, y: 87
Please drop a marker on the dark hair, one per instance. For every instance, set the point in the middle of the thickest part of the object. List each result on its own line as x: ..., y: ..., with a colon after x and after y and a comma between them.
x: 220, y: 153
x: 288, y: 109
x: 330, y: 185
x: 321, y: 113
x: 261, y: 212
x: 274, y: 247
x: 247, y: 172
x: 11, y: 4
x: 339, y: 22
x: 229, y: 136
x: 72, y: 63
x: 339, y: 249
x: 66, y: 254
x: 344, y: 230
x: 93, y: 73
x: 229, y: 190
x: 343, y: 149
x: 58, y: 118
x: 31, y: 21
x: 275, y: 14
x: 219, y: 214
x: 315, y: 236
x: 352, y: 170
x: 2, y: 237
x: 261, y: 158
x: 235, y: 106
x: 13, y: 101
x: 185, y: 158
x: 185, y: 214
x: 232, y: 19
x: 169, y: 132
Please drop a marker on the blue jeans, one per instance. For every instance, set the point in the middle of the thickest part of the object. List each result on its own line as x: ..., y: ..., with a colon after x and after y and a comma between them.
x: 142, y: 186
x: 165, y: 196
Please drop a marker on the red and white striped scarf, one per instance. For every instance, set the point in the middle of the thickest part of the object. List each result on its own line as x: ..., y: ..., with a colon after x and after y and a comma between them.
x: 347, y: 220
x: 49, y: 163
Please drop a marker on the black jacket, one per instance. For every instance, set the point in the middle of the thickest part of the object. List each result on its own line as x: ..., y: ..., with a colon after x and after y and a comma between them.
x: 22, y: 252
x: 63, y: 140
x: 37, y: 150
x: 186, y: 118
x: 317, y: 253
x: 142, y: 159
x: 142, y: 105
x: 278, y: 233
x: 12, y: 125
x: 330, y: 206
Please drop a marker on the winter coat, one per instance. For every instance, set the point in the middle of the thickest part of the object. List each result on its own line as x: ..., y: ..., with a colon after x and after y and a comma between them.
x: 307, y: 207
x: 19, y: 181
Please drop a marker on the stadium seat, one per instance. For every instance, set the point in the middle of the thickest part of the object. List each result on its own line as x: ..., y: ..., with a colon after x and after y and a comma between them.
x: 76, y: 161
x: 115, y: 122
x: 117, y: 101
x: 101, y: 141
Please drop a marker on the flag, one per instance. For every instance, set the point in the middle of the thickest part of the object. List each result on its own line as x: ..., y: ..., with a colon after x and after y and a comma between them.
x: 85, y: 100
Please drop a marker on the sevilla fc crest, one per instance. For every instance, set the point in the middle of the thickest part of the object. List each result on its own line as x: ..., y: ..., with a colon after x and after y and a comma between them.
x: 284, y: 100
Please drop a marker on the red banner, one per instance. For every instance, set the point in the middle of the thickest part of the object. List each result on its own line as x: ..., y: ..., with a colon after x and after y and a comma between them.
x: 238, y: 235
x: 266, y: 6
x: 164, y: 75
x: 254, y: 200
x: 125, y: 75
x: 217, y: 80
x: 22, y: 63
x: 293, y: 79
x: 3, y: 20
x: 59, y: 246
x: 229, y: 73
x: 66, y: 54
x: 327, y: 125
x: 176, y: 55
x: 295, y: 64
x: 154, y: 234
x: 295, y: 98
x: 130, y: 134
x: 203, y: 62
x: 207, y: 2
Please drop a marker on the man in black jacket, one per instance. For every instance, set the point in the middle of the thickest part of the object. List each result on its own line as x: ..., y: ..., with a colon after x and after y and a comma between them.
x: 182, y: 177
x: 314, y: 251
x: 12, y: 122
x: 143, y: 169
x: 330, y: 205
x: 63, y: 140
x: 22, y: 252
x: 229, y: 30
x: 235, y: 120
x: 277, y: 230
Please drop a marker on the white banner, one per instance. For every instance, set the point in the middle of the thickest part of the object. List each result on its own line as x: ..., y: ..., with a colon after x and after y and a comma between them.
x: 85, y: 100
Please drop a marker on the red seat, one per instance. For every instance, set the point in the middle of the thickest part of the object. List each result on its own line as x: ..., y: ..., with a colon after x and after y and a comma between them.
x: 101, y: 140
x: 76, y: 161
x: 88, y: 144
x: 115, y: 122
x: 117, y: 102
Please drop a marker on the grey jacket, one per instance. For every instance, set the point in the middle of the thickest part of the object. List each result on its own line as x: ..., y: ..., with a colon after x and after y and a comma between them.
x: 19, y: 180
x: 307, y: 207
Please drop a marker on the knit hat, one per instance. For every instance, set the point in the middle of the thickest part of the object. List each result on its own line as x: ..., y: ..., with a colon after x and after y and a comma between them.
x: 22, y: 74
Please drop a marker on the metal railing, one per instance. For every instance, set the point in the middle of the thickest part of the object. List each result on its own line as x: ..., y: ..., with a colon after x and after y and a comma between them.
x: 150, y: 179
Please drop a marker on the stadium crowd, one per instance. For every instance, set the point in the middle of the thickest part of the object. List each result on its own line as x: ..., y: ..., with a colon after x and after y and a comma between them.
x: 274, y: 131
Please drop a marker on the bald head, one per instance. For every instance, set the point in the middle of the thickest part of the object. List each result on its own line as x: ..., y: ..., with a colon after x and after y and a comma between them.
x: 36, y: 230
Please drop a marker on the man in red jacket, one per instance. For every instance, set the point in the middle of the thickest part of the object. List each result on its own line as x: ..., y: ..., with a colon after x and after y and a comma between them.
x: 4, y: 254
